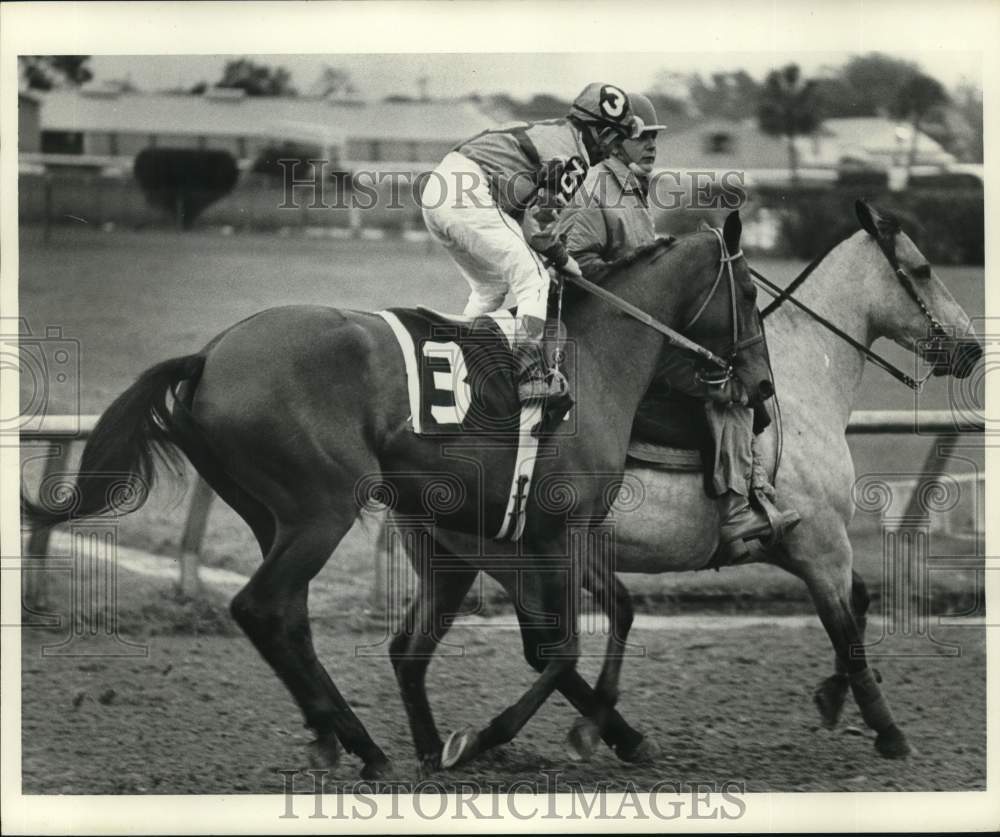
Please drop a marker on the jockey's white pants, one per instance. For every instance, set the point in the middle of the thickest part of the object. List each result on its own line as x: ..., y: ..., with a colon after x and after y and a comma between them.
x: 486, y: 243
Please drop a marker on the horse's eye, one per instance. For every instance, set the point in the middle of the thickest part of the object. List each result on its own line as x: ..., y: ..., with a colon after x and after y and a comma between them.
x: 922, y: 271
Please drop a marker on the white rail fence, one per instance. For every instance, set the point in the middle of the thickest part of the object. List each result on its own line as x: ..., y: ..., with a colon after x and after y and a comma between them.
x: 61, y: 432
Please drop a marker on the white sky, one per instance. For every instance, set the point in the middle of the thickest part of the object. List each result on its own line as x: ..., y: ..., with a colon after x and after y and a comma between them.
x: 521, y: 75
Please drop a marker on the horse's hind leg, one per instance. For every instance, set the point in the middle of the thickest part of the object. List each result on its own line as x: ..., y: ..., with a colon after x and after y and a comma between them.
x: 831, y: 693
x: 830, y: 582
x: 272, y: 609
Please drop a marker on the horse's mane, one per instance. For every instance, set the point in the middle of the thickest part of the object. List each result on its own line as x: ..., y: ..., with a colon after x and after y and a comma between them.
x: 651, y: 251
x: 643, y: 253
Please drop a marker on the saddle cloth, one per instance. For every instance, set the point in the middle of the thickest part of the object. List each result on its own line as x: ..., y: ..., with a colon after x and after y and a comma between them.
x: 462, y: 379
x: 461, y: 375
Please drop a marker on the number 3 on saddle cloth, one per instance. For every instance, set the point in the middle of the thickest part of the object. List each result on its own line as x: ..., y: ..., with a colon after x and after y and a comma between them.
x: 461, y: 378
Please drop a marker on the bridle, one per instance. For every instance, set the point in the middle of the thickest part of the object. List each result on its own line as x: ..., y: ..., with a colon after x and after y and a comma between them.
x: 938, y: 332
x: 675, y: 338
x: 726, y: 260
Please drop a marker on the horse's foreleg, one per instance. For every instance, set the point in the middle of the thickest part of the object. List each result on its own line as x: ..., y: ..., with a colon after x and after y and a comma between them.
x: 831, y: 584
x: 615, y: 731
x: 611, y: 596
x: 554, y: 638
x: 272, y: 610
x: 831, y: 693
x: 440, y: 592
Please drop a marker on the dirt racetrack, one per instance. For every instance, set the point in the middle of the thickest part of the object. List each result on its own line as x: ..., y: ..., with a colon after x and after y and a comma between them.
x: 727, y: 698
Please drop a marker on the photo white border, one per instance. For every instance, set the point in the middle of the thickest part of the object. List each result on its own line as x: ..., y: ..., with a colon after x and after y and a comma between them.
x: 783, y: 27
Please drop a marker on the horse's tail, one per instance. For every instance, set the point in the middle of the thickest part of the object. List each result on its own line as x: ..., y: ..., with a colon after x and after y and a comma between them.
x: 118, y: 466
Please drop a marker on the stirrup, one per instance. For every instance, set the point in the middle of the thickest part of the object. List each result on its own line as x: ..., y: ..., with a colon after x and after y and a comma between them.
x: 553, y: 385
x: 781, y: 522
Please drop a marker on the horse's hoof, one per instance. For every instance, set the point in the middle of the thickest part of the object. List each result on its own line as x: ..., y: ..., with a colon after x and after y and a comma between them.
x: 428, y: 765
x: 324, y: 752
x: 377, y: 769
x: 582, y: 739
x: 892, y: 744
x: 646, y: 751
x: 460, y: 746
x: 829, y: 699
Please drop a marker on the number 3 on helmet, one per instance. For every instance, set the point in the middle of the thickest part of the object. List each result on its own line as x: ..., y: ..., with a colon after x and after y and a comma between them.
x: 606, y: 104
x: 613, y: 103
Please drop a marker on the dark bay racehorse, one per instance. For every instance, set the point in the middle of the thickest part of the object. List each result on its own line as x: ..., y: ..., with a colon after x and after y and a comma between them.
x: 875, y: 284
x: 296, y: 414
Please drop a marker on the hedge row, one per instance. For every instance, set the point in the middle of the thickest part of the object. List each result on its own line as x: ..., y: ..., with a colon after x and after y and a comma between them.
x: 947, y: 225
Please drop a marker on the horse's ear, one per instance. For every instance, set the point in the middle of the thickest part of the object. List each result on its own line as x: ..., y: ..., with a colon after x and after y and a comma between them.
x: 867, y: 217
x: 732, y: 230
x: 704, y: 225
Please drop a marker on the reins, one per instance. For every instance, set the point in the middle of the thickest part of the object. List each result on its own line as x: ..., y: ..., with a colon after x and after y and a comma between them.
x: 674, y: 337
x: 782, y: 295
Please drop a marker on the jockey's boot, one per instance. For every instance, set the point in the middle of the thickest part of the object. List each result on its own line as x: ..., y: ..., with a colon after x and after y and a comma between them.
x: 742, y: 522
x: 535, y: 381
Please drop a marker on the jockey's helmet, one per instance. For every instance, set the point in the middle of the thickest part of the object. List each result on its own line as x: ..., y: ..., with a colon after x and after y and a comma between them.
x: 606, y: 106
x: 603, y: 106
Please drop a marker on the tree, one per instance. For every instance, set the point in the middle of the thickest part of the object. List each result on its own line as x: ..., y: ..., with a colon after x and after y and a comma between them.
x: 915, y: 99
x: 789, y: 108
x: 731, y: 95
x: 969, y: 106
x: 874, y: 81
x: 335, y: 83
x: 183, y: 181
x: 43, y: 72
x: 257, y: 79
x: 838, y: 98
x: 544, y: 106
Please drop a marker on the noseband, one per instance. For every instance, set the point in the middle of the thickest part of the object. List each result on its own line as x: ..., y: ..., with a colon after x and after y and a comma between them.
x: 938, y: 332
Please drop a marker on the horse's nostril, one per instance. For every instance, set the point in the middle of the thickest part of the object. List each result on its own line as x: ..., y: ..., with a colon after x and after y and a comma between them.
x: 765, y: 389
x: 966, y: 357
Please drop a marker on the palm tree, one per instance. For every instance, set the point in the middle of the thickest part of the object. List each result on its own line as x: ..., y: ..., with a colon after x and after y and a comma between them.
x: 918, y: 96
x: 336, y: 83
x: 788, y: 107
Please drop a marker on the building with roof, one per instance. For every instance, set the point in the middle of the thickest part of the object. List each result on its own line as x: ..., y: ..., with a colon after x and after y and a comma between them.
x: 720, y: 145
x: 106, y: 127
x: 884, y: 143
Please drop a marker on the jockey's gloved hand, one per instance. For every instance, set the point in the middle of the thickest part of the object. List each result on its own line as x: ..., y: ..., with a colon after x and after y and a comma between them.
x: 547, y: 177
x: 550, y: 246
x: 571, y: 267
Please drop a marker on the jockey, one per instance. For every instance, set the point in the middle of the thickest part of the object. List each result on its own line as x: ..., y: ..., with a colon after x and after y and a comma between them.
x: 606, y: 219
x: 476, y: 200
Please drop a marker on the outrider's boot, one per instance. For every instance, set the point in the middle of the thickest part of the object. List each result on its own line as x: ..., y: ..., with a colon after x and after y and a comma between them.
x: 741, y: 522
